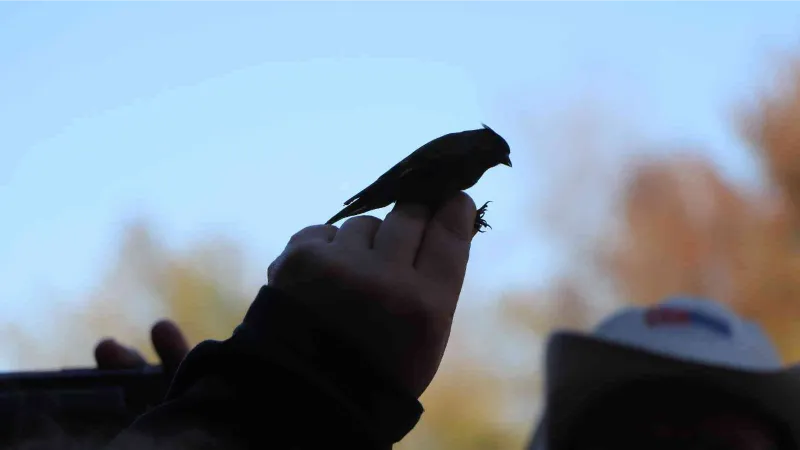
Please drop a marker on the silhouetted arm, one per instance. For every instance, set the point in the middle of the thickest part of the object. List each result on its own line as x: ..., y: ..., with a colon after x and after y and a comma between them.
x: 283, y: 380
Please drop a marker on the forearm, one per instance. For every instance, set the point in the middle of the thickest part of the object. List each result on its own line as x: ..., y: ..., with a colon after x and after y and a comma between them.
x: 281, y: 380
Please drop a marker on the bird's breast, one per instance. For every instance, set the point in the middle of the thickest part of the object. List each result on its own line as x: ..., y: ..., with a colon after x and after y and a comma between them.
x: 470, y: 175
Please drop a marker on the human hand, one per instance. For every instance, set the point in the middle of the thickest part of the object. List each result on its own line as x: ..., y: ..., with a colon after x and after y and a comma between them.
x: 169, y: 342
x: 390, y: 287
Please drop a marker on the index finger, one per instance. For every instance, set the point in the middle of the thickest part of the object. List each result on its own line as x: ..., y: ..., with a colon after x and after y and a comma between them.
x: 400, y: 235
x: 110, y: 355
x: 170, y: 344
x: 444, y: 252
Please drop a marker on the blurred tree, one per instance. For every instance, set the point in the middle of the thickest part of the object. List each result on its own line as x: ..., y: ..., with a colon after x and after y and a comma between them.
x: 470, y: 404
x: 689, y: 231
x: 200, y: 288
x: 678, y: 228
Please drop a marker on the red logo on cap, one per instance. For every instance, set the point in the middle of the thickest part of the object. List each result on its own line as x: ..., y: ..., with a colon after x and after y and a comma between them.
x: 675, y: 316
x: 661, y: 316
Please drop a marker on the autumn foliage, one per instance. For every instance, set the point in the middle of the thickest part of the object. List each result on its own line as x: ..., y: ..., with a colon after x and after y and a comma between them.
x: 687, y: 230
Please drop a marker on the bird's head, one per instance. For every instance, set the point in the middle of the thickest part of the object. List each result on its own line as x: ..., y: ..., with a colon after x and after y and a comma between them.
x: 494, y: 147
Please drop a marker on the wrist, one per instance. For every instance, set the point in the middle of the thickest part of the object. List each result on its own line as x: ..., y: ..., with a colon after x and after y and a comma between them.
x: 303, y: 343
x: 281, y: 346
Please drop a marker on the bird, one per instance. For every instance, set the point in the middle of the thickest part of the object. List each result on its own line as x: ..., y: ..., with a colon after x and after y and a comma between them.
x: 435, y: 172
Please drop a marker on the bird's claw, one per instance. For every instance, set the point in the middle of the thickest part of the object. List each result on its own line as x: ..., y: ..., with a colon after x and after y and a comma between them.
x: 480, y: 223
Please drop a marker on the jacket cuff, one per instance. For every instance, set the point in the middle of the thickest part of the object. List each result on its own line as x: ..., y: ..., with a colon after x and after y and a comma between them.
x: 281, y: 334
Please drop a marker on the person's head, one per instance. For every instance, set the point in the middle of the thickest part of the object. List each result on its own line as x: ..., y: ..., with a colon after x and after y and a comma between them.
x: 686, y: 374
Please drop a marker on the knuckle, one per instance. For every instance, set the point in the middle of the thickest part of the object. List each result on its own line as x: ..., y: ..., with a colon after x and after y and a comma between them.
x: 302, y: 252
x: 362, y: 222
x: 300, y: 235
x: 299, y: 257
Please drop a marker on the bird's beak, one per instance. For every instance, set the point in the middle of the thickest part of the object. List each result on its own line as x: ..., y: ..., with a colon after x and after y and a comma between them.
x: 506, y: 161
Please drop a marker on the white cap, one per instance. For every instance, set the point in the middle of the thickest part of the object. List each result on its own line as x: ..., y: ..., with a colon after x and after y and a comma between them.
x: 681, y: 337
x: 694, y: 330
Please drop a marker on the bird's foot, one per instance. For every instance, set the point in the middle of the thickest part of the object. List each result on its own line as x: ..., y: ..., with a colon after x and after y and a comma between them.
x: 480, y: 223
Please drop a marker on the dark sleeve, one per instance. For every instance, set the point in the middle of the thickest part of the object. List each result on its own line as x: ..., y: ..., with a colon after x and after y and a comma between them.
x: 281, y: 381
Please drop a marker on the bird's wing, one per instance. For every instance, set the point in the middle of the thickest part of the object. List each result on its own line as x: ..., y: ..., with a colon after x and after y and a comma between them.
x: 438, y: 151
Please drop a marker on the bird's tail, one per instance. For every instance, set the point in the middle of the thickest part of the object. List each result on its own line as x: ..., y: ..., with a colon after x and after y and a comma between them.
x: 350, y: 210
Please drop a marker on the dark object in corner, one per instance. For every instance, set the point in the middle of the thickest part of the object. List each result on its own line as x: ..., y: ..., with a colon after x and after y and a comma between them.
x: 78, y: 403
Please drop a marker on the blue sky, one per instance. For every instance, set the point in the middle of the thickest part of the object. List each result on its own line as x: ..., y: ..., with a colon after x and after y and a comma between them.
x: 257, y: 119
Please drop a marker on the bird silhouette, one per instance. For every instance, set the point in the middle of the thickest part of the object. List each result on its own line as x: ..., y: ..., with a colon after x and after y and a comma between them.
x: 434, y: 172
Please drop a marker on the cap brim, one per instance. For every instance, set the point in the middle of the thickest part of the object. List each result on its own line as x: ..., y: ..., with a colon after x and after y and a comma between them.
x: 580, y: 367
